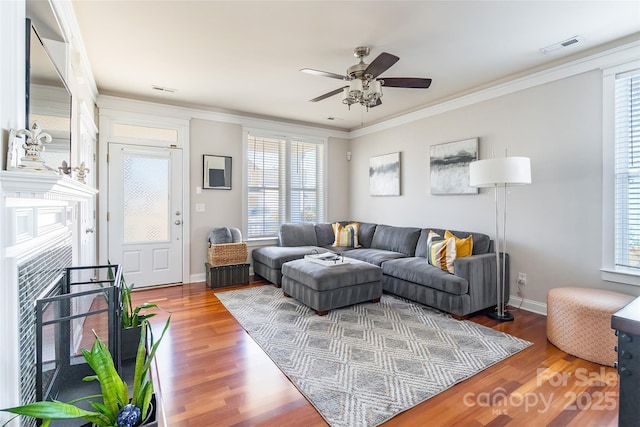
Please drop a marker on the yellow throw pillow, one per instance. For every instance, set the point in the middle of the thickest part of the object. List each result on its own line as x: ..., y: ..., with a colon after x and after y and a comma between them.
x: 464, y: 247
x: 347, y: 235
x: 442, y: 253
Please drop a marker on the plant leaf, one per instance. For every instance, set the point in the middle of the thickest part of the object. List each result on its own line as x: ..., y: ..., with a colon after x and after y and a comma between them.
x: 51, y: 411
x: 113, y: 389
x: 145, y: 398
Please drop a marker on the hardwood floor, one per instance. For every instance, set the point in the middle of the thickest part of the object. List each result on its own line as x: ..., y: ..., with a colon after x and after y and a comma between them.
x: 212, y: 373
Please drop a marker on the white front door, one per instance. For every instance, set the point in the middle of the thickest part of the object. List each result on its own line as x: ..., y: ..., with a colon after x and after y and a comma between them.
x: 145, y: 213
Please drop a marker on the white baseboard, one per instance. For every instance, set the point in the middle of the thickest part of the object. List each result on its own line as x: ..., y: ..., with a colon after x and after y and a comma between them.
x: 528, y: 305
x: 200, y: 277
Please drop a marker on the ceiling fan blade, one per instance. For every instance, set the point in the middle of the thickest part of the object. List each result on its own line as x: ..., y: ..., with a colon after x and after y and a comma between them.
x: 324, y: 74
x: 408, y: 82
x: 382, y: 63
x: 327, y: 95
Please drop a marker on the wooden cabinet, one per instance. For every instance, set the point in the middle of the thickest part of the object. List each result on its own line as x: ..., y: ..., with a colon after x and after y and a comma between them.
x: 626, y: 322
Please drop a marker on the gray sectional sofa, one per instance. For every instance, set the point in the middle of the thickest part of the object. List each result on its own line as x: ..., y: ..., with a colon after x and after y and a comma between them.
x: 402, y: 254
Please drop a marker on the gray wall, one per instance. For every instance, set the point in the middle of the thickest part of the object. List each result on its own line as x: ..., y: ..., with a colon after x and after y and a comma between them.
x: 554, y: 227
x: 224, y: 207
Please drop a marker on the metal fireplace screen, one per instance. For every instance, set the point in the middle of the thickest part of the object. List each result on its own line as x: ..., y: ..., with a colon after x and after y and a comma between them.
x: 85, y: 304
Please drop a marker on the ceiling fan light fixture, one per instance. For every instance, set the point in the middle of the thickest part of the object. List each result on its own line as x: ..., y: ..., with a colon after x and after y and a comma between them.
x: 362, y: 91
x: 364, y: 87
x: 355, y: 88
x: 374, y: 89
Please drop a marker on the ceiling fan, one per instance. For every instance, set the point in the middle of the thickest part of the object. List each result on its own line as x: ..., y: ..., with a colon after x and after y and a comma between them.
x: 365, y: 87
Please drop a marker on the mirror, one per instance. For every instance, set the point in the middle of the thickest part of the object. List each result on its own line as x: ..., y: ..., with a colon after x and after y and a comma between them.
x: 48, y: 102
x: 217, y: 172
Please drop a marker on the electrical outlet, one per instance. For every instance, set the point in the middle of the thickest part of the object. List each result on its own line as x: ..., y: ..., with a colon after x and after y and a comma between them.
x: 522, y: 279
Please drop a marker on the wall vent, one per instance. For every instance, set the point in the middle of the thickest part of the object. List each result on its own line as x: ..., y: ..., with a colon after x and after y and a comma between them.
x: 562, y: 44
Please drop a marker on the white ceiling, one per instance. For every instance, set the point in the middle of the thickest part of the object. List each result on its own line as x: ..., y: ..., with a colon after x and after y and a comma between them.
x: 245, y: 56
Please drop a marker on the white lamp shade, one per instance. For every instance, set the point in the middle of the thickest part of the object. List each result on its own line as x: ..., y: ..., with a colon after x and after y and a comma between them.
x: 505, y: 170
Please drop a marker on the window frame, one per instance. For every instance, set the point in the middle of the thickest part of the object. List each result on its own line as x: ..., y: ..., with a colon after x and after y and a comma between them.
x: 610, y: 271
x: 289, y: 137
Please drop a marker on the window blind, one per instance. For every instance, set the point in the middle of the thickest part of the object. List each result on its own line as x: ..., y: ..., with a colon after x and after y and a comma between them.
x: 627, y: 170
x: 266, y: 186
x: 307, y: 183
x: 285, y: 180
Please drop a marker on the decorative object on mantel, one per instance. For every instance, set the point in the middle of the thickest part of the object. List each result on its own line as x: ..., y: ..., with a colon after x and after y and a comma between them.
x: 65, y: 169
x: 449, y: 166
x: 384, y: 175
x: 500, y: 173
x: 36, y: 139
x: 81, y: 172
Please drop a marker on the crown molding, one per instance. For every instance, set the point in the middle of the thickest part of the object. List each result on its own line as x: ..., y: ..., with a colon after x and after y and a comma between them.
x: 609, y: 58
x: 117, y: 104
x: 66, y: 16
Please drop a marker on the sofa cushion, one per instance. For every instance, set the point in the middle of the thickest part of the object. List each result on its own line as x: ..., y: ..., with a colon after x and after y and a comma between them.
x: 324, y: 234
x: 416, y: 270
x: 322, y: 278
x: 396, y: 239
x: 372, y: 256
x: 464, y: 247
x: 442, y: 253
x: 481, y: 242
x: 346, y: 235
x: 275, y: 256
x: 365, y: 234
x: 426, y: 236
x: 298, y: 235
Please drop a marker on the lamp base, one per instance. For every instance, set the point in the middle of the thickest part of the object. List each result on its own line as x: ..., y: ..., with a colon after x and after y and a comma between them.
x: 506, y: 317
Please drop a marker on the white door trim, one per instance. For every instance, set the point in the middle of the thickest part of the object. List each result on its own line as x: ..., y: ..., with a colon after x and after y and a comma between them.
x: 105, y: 136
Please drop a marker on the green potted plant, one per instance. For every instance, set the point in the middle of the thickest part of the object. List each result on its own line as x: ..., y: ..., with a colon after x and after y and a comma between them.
x: 131, y: 322
x: 120, y: 406
x: 131, y: 319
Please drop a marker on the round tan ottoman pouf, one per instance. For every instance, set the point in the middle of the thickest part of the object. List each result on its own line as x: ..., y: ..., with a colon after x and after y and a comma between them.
x: 579, y: 322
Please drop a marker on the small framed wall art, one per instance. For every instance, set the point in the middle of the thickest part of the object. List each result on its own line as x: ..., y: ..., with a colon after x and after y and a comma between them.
x: 449, y: 164
x: 216, y: 172
x: 384, y: 175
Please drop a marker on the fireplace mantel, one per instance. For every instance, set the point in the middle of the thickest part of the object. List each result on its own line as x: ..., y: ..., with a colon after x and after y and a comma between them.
x: 21, y: 184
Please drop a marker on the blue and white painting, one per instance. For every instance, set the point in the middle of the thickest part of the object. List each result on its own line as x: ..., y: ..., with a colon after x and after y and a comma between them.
x: 384, y: 175
x: 450, y: 167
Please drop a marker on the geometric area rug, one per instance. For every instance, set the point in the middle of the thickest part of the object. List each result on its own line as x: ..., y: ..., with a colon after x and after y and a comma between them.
x: 361, y: 365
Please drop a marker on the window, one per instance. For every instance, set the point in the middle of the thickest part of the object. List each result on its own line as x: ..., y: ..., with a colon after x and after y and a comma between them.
x: 627, y: 170
x: 285, y: 183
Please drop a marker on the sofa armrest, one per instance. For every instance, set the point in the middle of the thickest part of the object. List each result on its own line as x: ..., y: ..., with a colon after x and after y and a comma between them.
x: 480, y: 272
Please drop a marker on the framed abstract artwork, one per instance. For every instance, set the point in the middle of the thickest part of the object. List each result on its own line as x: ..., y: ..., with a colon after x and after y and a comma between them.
x: 216, y: 172
x: 449, y: 164
x: 384, y: 175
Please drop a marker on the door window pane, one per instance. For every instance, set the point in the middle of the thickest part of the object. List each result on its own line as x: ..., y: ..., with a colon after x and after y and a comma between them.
x: 146, y: 198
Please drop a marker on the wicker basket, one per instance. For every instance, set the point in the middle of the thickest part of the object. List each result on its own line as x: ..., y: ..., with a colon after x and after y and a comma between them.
x: 227, y: 253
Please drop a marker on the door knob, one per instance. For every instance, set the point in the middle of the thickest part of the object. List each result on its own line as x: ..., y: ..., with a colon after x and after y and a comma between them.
x: 178, y: 222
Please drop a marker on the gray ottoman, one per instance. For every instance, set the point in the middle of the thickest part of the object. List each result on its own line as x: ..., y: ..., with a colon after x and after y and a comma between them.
x: 324, y: 288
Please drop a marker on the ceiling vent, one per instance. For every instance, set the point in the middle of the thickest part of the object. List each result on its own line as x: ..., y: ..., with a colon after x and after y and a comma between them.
x: 163, y: 89
x: 560, y: 45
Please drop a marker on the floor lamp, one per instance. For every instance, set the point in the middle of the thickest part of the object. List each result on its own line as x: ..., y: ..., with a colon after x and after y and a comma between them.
x: 500, y: 173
